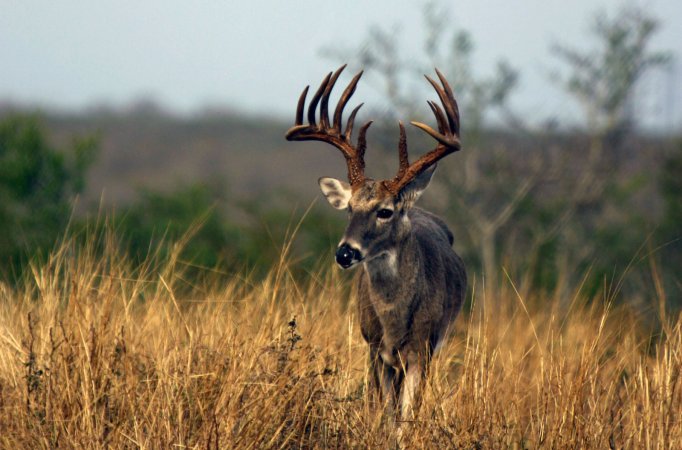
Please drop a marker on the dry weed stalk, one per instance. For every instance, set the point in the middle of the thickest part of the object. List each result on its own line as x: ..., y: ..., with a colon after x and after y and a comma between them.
x: 98, y: 354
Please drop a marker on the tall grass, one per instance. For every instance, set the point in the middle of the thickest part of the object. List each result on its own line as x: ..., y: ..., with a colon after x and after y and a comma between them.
x: 96, y: 353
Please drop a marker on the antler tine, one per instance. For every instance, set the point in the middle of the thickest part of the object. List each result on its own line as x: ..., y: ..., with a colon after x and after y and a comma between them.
x: 448, y: 132
x: 316, y: 98
x: 446, y: 100
x: 301, y: 106
x: 345, y: 97
x: 362, y: 142
x: 324, y: 105
x: 334, y: 134
x: 453, y: 111
x: 440, y: 117
x: 351, y: 121
x: 403, y: 160
x: 447, y: 137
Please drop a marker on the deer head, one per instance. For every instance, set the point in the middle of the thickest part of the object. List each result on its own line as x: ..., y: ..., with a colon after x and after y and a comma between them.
x: 378, y: 210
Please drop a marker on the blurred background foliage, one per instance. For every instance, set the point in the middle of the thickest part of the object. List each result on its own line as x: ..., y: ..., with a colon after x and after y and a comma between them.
x: 37, y: 185
x: 545, y: 202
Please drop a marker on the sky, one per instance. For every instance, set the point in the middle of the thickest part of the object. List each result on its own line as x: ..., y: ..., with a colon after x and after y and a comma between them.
x: 256, y: 56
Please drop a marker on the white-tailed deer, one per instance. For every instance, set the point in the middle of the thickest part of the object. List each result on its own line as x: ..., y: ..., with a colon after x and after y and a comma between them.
x: 412, y: 284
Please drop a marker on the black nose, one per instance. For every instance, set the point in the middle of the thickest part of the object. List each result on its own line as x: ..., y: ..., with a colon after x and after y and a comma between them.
x: 345, y: 255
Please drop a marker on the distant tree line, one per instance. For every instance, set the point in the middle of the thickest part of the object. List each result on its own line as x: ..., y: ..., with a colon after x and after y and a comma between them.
x: 604, y: 232
x: 39, y: 183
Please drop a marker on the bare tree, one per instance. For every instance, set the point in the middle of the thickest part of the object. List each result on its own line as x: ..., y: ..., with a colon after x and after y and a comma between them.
x: 603, y: 81
x: 479, y: 97
x: 497, y: 181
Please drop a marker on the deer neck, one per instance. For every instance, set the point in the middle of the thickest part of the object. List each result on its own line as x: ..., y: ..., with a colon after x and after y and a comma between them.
x: 390, y: 271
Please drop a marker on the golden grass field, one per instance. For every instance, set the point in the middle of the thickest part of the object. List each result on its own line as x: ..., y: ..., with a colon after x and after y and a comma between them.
x: 97, y: 354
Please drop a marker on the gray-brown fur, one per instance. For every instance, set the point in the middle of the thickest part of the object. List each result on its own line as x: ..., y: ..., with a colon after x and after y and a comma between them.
x: 410, y: 286
x: 410, y: 309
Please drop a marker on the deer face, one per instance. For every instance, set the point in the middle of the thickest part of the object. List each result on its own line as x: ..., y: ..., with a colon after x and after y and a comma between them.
x: 378, y: 220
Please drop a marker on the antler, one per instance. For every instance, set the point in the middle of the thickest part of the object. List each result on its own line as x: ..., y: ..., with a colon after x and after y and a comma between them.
x: 334, y: 134
x: 447, y: 137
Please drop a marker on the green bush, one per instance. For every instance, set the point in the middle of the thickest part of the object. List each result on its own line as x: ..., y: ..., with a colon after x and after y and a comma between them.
x: 37, y: 185
x: 247, y: 236
x: 670, y: 231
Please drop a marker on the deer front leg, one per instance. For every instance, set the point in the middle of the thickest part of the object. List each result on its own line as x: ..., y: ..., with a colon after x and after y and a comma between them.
x: 384, y: 380
x: 415, y: 372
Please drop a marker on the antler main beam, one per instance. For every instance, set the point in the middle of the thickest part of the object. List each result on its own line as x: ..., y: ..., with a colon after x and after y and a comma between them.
x: 333, y: 133
x: 447, y: 137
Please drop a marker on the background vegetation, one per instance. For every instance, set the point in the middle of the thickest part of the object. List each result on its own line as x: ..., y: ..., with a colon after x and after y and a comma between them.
x: 543, y: 199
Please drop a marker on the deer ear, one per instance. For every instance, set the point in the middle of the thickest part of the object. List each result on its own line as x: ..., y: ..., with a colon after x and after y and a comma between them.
x: 413, y: 190
x: 337, y: 192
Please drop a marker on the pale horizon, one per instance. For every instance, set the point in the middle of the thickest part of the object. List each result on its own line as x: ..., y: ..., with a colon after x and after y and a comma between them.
x: 255, y: 58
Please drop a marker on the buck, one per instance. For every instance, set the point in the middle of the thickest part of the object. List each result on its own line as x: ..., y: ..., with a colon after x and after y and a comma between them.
x: 412, y: 283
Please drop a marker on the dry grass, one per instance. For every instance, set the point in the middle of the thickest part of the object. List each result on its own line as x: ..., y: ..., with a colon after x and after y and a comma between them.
x: 95, y: 354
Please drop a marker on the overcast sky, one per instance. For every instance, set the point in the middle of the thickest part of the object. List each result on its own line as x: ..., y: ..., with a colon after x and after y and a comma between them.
x: 257, y: 55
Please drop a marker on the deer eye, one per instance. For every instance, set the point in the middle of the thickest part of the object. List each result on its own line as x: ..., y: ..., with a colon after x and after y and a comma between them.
x: 384, y: 213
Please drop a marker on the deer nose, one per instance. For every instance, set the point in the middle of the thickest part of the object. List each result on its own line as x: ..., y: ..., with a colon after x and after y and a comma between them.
x: 346, y: 255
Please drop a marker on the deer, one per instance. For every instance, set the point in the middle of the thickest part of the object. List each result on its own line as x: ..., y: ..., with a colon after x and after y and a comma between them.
x: 412, y: 283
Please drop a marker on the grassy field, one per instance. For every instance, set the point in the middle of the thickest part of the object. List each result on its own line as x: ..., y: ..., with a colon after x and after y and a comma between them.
x: 95, y: 353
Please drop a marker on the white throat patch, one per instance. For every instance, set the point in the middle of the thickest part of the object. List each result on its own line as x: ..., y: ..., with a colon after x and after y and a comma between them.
x: 392, y: 262
x: 385, y: 263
